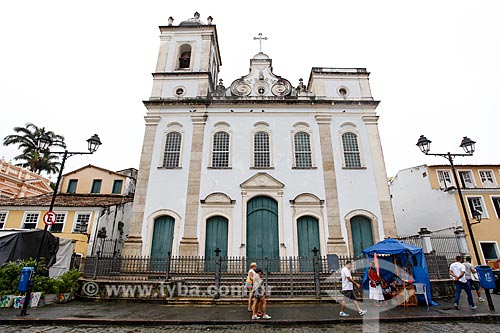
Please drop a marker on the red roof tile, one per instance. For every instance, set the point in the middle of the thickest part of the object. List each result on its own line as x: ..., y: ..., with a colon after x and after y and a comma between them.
x: 69, y: 200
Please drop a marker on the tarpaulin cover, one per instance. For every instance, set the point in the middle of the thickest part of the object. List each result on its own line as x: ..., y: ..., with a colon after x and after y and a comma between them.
x: 23, y: 244
x: 63, y: 258
x: 402, y: 253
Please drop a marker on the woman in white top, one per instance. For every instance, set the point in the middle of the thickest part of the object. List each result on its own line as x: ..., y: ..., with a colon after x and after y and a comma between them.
x: 249, y: 283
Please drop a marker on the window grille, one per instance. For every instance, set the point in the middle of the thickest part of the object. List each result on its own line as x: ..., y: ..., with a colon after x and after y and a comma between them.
x: 351, y: 150
x: 59, y: 224
x: 30, y: 220
x: 3, y: 219
x: 220, y: 151
x: 303, y: 157
x: 171, y: 156
x: 261, y: 150
x: 81, y: 223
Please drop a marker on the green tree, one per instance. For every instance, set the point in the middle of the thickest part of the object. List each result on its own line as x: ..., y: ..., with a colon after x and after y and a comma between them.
x: 31, y: 157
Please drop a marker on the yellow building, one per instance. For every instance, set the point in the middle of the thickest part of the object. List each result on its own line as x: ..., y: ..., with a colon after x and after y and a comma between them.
x: 481, y: 193
x: 78, y: 216
x: 96, y: 180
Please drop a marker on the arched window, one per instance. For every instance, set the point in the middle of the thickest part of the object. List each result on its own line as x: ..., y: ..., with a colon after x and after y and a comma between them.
x: 351, y: 150
x: 261, y: 150
x: 184, y: 56
x: 302, y: 147
x: 220, y: 150
x: 171, y: 156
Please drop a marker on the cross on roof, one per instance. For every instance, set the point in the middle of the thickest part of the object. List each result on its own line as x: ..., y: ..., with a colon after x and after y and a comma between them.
x: 260, y: 38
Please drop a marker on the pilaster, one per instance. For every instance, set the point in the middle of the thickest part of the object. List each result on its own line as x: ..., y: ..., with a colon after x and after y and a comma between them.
x: 379, y: 170
x: 335, y: 242
x: 133, y: 244
x: 189, y: 243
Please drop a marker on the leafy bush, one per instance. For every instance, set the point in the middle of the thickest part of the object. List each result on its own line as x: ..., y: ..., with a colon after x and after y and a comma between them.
x: 68, y: 282
x: 9, y: 278
x: 11, y: 272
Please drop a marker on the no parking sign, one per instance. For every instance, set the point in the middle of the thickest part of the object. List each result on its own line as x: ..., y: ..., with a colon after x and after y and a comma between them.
x: 49, y: 218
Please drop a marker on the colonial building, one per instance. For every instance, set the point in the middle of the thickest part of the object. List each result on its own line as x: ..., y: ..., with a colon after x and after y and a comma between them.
x: 261, y: 168
x: 78, y: 216
x: 18, y: 182
x: 427, y: 196
x: 91, y: 204
x: 93, y: 179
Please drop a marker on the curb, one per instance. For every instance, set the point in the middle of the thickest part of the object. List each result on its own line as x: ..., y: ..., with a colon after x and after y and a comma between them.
x: 143, y: 322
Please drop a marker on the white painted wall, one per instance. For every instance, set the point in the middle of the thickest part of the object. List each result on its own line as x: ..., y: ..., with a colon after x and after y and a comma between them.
x: 167, y: 188
x: 356, y: 187
x: 416, y: 205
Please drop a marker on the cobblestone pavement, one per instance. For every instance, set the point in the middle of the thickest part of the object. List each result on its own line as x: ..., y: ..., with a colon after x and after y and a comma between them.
x: 435, y: 327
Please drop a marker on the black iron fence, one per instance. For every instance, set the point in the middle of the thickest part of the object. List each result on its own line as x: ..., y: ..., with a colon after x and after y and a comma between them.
x: 287, y: 276
x: 443, y: 245
x: 314, y: 276
x: 107, y: 247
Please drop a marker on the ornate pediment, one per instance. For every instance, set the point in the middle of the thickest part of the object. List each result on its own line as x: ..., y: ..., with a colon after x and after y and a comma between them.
x: 306, y: 199
x: 261, y: 81
x: 262, y: 180
x: 217, y: 199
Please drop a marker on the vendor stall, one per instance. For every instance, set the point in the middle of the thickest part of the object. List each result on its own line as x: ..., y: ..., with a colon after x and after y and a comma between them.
x: 399, y: 266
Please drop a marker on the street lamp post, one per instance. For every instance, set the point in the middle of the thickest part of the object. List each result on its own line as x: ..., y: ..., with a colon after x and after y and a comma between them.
x: 469, y: 147
x: 44, y: 143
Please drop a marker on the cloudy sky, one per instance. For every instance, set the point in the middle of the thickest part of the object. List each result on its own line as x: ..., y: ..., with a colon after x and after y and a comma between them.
x: 84, y: 67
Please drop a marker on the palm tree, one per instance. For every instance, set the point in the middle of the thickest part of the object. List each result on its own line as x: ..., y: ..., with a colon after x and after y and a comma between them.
x: 31, y: 157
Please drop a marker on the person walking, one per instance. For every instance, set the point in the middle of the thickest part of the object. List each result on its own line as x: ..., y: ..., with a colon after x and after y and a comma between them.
x: 472, y: 278
x: 457, y: 271
x: 249, y: 284
x: 259, y: 294
x: 348, y: 291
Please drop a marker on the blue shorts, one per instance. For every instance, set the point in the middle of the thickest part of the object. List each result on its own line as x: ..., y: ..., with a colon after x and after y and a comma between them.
x: 474, y: 285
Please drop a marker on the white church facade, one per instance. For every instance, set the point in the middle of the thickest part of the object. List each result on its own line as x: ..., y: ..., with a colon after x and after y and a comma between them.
x: 260, y: 168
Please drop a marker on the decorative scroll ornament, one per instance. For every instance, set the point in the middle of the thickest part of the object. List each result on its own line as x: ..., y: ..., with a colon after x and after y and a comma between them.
x: 281, y: 88
x: 240, y: 88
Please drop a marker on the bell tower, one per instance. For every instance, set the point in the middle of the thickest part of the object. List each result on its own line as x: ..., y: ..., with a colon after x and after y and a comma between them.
x: 188, y: 60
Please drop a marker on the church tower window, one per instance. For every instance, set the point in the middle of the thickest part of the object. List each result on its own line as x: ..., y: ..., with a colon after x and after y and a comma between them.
x: 220, y: 150
x: 350, y: 147
x: 302, y: 145
x: 261, y: 150
x: 171, y: 156
x: 185, y: 57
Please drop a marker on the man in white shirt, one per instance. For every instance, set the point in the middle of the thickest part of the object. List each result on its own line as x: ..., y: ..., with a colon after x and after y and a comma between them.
x: 457, y: 272
x: 347, y: 290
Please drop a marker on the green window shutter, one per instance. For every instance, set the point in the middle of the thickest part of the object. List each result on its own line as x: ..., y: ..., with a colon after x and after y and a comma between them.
x: 96, y: 186
x: 308, y: 239
x: 72, y: 186
x: 163, y: 237
x: 362, y: 237
x: 216, y: 237
x: 117, y: 186
x: 262, y: 230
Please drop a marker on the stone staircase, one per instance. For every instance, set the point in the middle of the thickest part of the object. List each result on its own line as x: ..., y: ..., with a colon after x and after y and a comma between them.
x: 279, y: 285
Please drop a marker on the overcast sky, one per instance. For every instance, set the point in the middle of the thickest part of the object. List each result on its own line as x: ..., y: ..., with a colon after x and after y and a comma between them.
x: 84, y: 67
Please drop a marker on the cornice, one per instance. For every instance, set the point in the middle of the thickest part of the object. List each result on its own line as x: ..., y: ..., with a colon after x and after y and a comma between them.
x: 260, y: 101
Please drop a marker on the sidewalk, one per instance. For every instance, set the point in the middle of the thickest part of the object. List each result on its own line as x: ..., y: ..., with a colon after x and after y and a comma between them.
x: 127, y: 313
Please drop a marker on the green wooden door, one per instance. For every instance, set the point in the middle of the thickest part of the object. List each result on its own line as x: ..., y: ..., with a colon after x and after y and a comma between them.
x: 362, y: 237
x: 262, y: 231
x: 308, y: 239
x: 163, y: 237
x: 216, y: 237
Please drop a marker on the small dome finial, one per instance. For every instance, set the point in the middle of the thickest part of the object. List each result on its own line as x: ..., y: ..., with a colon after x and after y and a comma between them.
x: 209, y: 20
